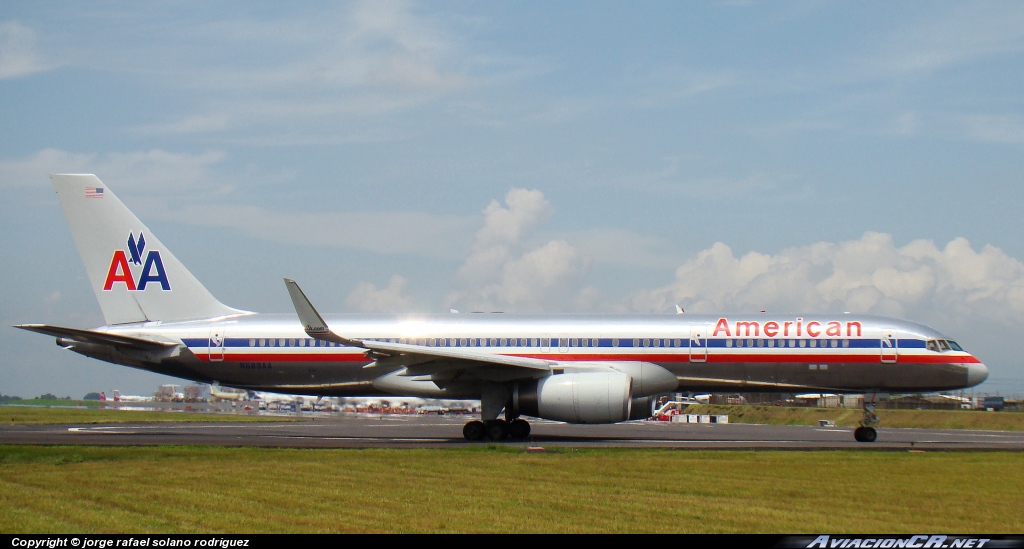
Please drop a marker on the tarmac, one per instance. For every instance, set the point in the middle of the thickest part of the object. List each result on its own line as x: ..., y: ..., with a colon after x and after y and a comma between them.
x: 357, y: 430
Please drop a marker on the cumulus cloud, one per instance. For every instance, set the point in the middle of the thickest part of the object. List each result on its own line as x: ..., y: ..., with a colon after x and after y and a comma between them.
x: 504, y: 271
x: 367, y: 298
x: 921, y: 280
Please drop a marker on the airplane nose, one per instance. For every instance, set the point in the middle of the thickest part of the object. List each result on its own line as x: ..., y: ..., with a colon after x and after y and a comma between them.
x: 976, y: 373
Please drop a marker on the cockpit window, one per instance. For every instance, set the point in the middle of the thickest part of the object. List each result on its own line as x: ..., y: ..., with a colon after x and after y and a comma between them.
x: 955, y: 346
x: 931, y: 346
x: 943, y: 345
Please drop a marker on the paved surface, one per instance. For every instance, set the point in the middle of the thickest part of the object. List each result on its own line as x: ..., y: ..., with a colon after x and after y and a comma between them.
x: 410, y: 431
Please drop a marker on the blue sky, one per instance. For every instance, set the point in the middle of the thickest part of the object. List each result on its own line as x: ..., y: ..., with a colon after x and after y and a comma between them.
x: 532, y: 156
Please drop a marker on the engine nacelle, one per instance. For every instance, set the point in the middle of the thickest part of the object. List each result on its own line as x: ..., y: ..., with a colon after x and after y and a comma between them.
x: 642, y: 407
x: 580, y: 397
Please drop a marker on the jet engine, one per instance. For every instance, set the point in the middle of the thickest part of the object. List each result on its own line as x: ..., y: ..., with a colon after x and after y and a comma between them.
x: 579, y: 397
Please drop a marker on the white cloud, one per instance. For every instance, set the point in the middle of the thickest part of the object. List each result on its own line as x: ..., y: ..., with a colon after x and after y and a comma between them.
x: 18, y: 55
x: 541, y: 275
x: 505, y: 272
x: 919, y: 281
x: 367, y: 298
x: 503, y: 228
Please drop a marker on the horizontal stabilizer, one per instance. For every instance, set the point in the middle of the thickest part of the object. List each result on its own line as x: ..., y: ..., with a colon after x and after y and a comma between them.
x: 100, y: 338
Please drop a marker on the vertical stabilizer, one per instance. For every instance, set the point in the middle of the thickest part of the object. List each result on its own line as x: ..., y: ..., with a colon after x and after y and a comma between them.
x: 135, y: 278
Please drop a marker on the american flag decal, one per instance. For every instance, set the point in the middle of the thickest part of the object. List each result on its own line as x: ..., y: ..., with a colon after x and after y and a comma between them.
x: 94, y: 192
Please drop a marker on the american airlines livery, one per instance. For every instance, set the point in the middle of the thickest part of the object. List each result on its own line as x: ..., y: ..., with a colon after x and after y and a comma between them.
x: 594, y: 368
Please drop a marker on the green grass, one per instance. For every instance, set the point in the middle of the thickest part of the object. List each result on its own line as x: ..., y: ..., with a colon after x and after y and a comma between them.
x: 37, y: 415
x: 61, y: 402
x: 502, y: 489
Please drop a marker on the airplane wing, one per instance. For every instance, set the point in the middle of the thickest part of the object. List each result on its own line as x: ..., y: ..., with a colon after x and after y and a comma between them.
x: 402, y: 353
x: 100, y: 338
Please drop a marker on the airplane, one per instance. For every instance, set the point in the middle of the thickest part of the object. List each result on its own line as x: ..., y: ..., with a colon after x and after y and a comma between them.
x: 217, y: 392
x: 118, y: 397
x: 277, y: 398
x: 575, y: 368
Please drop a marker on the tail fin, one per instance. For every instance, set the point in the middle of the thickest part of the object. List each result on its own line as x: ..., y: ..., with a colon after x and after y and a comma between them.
x: 136, y: 279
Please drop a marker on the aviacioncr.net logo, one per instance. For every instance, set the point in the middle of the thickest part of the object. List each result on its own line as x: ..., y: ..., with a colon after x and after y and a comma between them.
x: 152, y: 269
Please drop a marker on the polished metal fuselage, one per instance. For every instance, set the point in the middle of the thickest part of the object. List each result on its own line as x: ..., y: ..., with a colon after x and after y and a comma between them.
x: 707, y: 353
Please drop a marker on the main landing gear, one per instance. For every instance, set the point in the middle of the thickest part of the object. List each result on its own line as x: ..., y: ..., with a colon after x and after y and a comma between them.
x: 497, y: 429
x: 495, y: 398
x: 867, y: 433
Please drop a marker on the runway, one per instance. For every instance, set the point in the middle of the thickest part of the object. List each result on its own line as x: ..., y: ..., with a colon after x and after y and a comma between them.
x: 417, y: 431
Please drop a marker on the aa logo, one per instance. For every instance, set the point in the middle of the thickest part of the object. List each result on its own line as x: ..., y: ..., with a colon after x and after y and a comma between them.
x: 121, y: 271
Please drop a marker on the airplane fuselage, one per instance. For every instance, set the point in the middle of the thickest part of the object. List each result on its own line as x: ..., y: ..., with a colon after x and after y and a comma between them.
x: 739, y: 353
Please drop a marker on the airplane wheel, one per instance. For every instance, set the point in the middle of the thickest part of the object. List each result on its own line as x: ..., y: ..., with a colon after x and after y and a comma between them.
x: 865, y: 434
x: 497, y: 429
x: 474, y: 430
x: 519, y: 429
